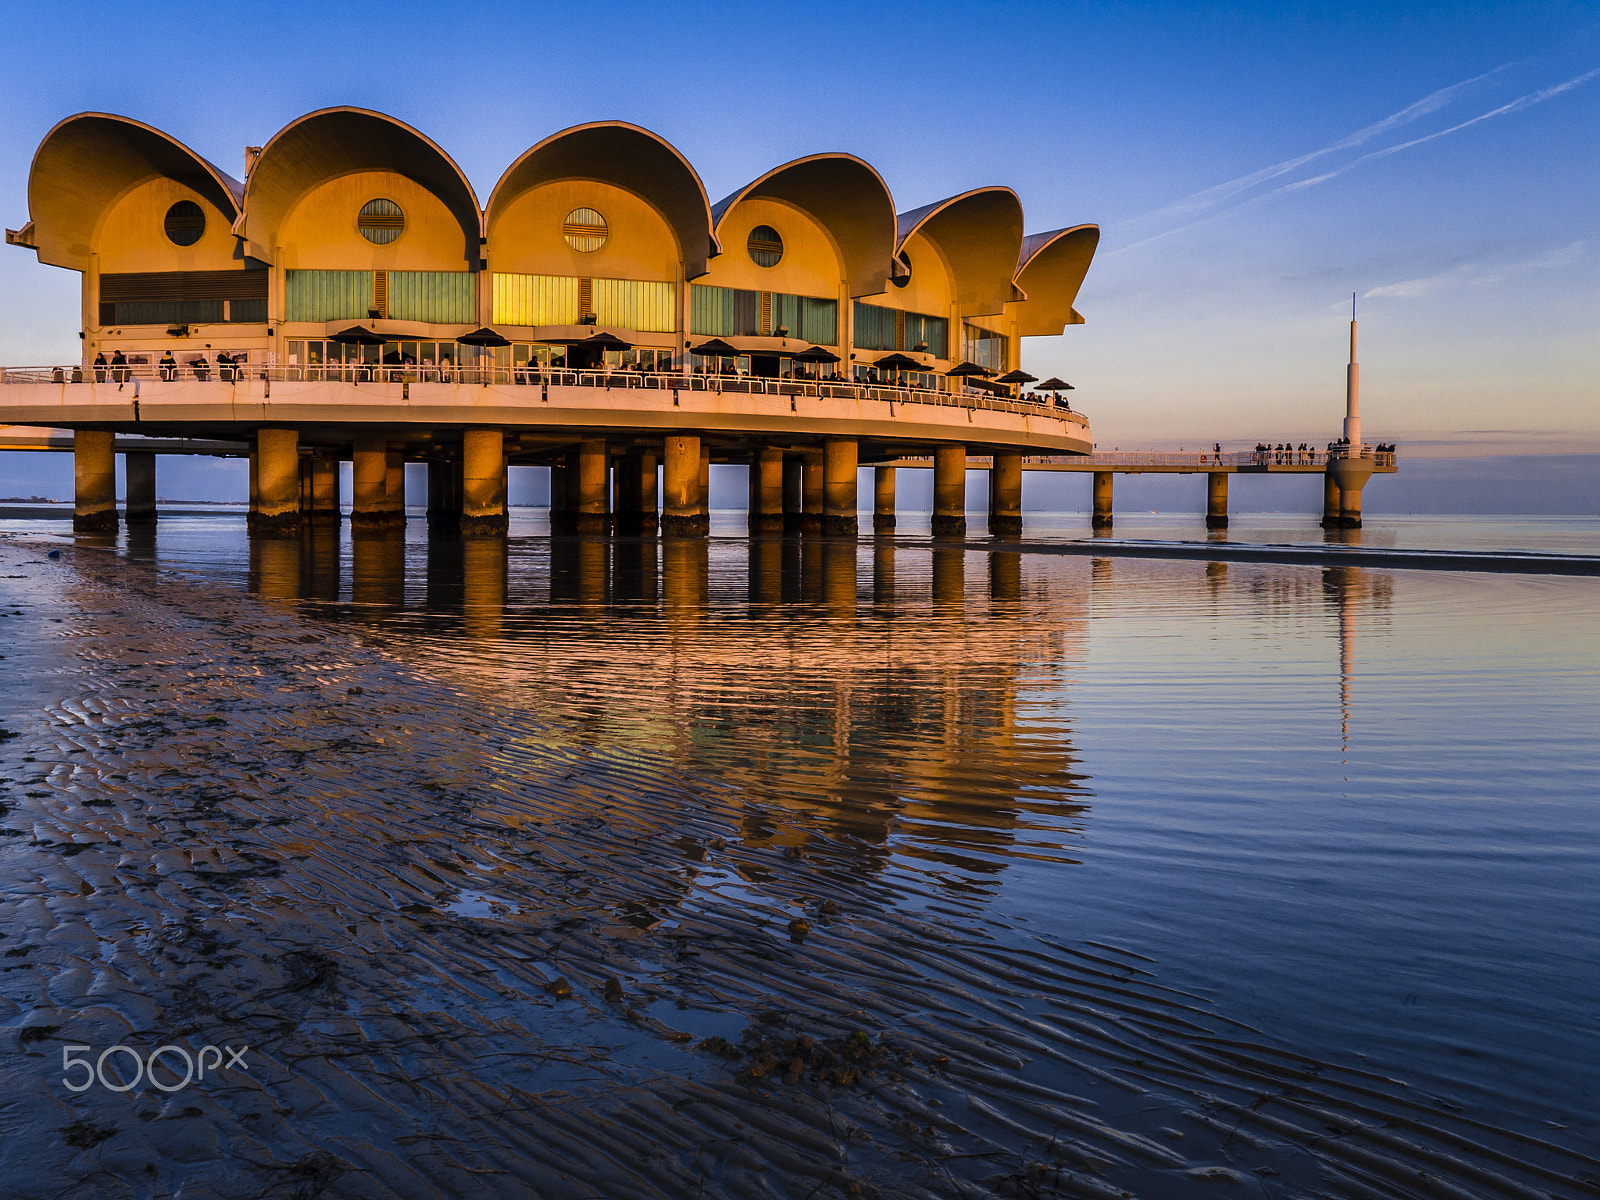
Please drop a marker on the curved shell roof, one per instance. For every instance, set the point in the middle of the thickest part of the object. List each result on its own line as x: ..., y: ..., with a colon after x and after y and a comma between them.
x: 628, y: 157
x: 90, y: 160
x: 1050, y: 272
x: 339, y: 141
x: 848, y: 198
x: 980, y: 235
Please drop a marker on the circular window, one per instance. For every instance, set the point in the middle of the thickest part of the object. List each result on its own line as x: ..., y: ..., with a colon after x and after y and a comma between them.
x: 902, y: 280
x: 765, y: 246
x: 185, y: 222
x: 381, y: 221
x: 585, y: 230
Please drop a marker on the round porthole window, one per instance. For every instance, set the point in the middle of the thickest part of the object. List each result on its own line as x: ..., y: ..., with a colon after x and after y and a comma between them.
x: 381, y: 221
x: 185, y: 222
x: 585, y: 230
x: 901, y: 280
x: 765, y: 246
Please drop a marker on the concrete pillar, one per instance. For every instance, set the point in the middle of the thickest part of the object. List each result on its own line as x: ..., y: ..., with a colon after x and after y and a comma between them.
x: 94, y: 481
x: 394, y: 486
x: 305, y: 486
x: 839, y: 489
x: 815, y: 488
x: 278, y: 478
x: 564, y: 494
x: 793, y: 491
x: 1005, y: 496
x: 680, y: 507
x: 1352, y: 475
x: 255, y: 479
x: 1216, y: 500
x: 1330, y: 499
x: 593, y: 486
x: 324, y: 508
x: 444, y: 496
x: 140, y: 468
x: 643, y: 467
x: 950, y: 491
x: 483, y: 483
x: 766, y: 492
x: 1102, y: 500
x: 369, y: 476
x: 705, y: 485
x: 883, y: 500
x: 634, y: 488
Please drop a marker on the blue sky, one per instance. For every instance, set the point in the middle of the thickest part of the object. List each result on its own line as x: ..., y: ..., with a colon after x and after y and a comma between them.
x: 1250, y: 169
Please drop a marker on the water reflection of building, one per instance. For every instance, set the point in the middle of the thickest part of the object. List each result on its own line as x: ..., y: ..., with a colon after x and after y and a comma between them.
x: 865, y: 700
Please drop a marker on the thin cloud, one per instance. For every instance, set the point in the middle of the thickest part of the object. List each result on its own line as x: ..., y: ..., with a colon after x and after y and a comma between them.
x: 1475, y: 275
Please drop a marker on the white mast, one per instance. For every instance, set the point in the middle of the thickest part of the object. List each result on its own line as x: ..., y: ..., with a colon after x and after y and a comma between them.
x: 1352, y: 388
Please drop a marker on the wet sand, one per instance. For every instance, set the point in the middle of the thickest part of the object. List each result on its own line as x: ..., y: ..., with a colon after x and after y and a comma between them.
x: 491, y: 927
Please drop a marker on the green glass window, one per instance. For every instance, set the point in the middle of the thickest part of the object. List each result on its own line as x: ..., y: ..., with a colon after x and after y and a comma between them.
x: 327, y: 295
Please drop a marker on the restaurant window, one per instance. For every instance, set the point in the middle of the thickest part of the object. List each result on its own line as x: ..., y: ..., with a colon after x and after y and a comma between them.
x: 724, y: 312
x: 985, y: 348
x: 327, y: 295
x: 183, y: 297
x: 809, y: 318
x: 381, y: 221
x: 185, y: 223
x: 765, y: 246
x: 585, y: 230
x: 933, y: 331
x: 879, y: 328
x: 434, y: 297
x: 641, y: 305
x: 535, y: 299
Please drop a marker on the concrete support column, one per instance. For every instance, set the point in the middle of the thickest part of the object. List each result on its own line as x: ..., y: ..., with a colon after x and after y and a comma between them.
x: 1217, y: 500
x: 369, y: 500
x: 94, y: 481
x: 705, y: 485
x: 815, y: 488
x: 483, y: 483
x: 793, y: 490
x: 628, y: 492
x: 278, y: 477
x: 563, y: 494
x: 141, y: 479
x: 950, y: 491
x: 1005, y: 496
x: 394, y: 486
x: 324, y: 491
x: 839, y: 488
x: 643, y: 468
x: 680, y: 508
x: 1102, y: 500
x: 1352, y: 475
x: 1330, y: 499
x: 593, y: 486
x: 883, y: 500
x: 444, y: 496
x: 766, y: 492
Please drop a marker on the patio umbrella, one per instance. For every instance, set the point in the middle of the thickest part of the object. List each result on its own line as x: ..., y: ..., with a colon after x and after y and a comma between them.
x: 606, y: 341
x: 967, y: 370
x: 1055, y: 385
x: 483, y: 337
x: 899, y: 362
x: 1016, y: 377
x: 358, y: 336
x: 716, y: 348
x: 815, y: 354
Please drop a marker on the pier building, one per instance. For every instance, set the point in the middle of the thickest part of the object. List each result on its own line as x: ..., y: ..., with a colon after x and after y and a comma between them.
x: 352, y: 299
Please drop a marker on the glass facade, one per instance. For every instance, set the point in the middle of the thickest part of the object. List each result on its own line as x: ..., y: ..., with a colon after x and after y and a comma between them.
x: 437, y: 297
x: 734, y: 312
x: 879, y: 328
x: 327, y: 295
x: 985, y: 348
x: 634, y: 304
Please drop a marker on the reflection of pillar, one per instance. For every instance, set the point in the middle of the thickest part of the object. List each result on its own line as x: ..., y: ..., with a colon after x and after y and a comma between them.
x: 685, y: 564
x: 594, y: 571
x: 766, y: 571
x: 369, y: 506
x: 883, y: 500
x: 815, y: 491
x: 394, y: 486
x: 1330, y: 499
x: 483, y: 586
x: 793, y: 562
x: 766, y: 491
x: 1217, y: 500
x: 275, y: 567
x: 633, y: 571
x: 839, y: 578
x: 592, y: 486
x: 680, y: 507
x: 1005, y: 496
x: 320, y: 562
x: 793, y: 490
x: 324, y: 491
x: 140, y: 470
x: 1005, y: 577
x: 949, y: 579
x: 278, y: 481
x: 811, y: 571
x: 483, y: 483
x: 378, y: 569
x: 839, y: 487
x: 1102, y: 500
x: 950, y: 491
x: 883, y: 575
x: 94, y: 481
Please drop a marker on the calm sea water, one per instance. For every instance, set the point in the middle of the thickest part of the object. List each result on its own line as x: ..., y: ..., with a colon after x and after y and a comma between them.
x: 1111, y: 876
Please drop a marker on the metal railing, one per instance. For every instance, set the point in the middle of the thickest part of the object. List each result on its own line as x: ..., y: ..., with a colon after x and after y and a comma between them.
x: 140, y: 374
x: 1123, y: 460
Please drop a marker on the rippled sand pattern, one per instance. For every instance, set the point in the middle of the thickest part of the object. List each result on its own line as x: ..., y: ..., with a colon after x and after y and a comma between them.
x: 674, y: 882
